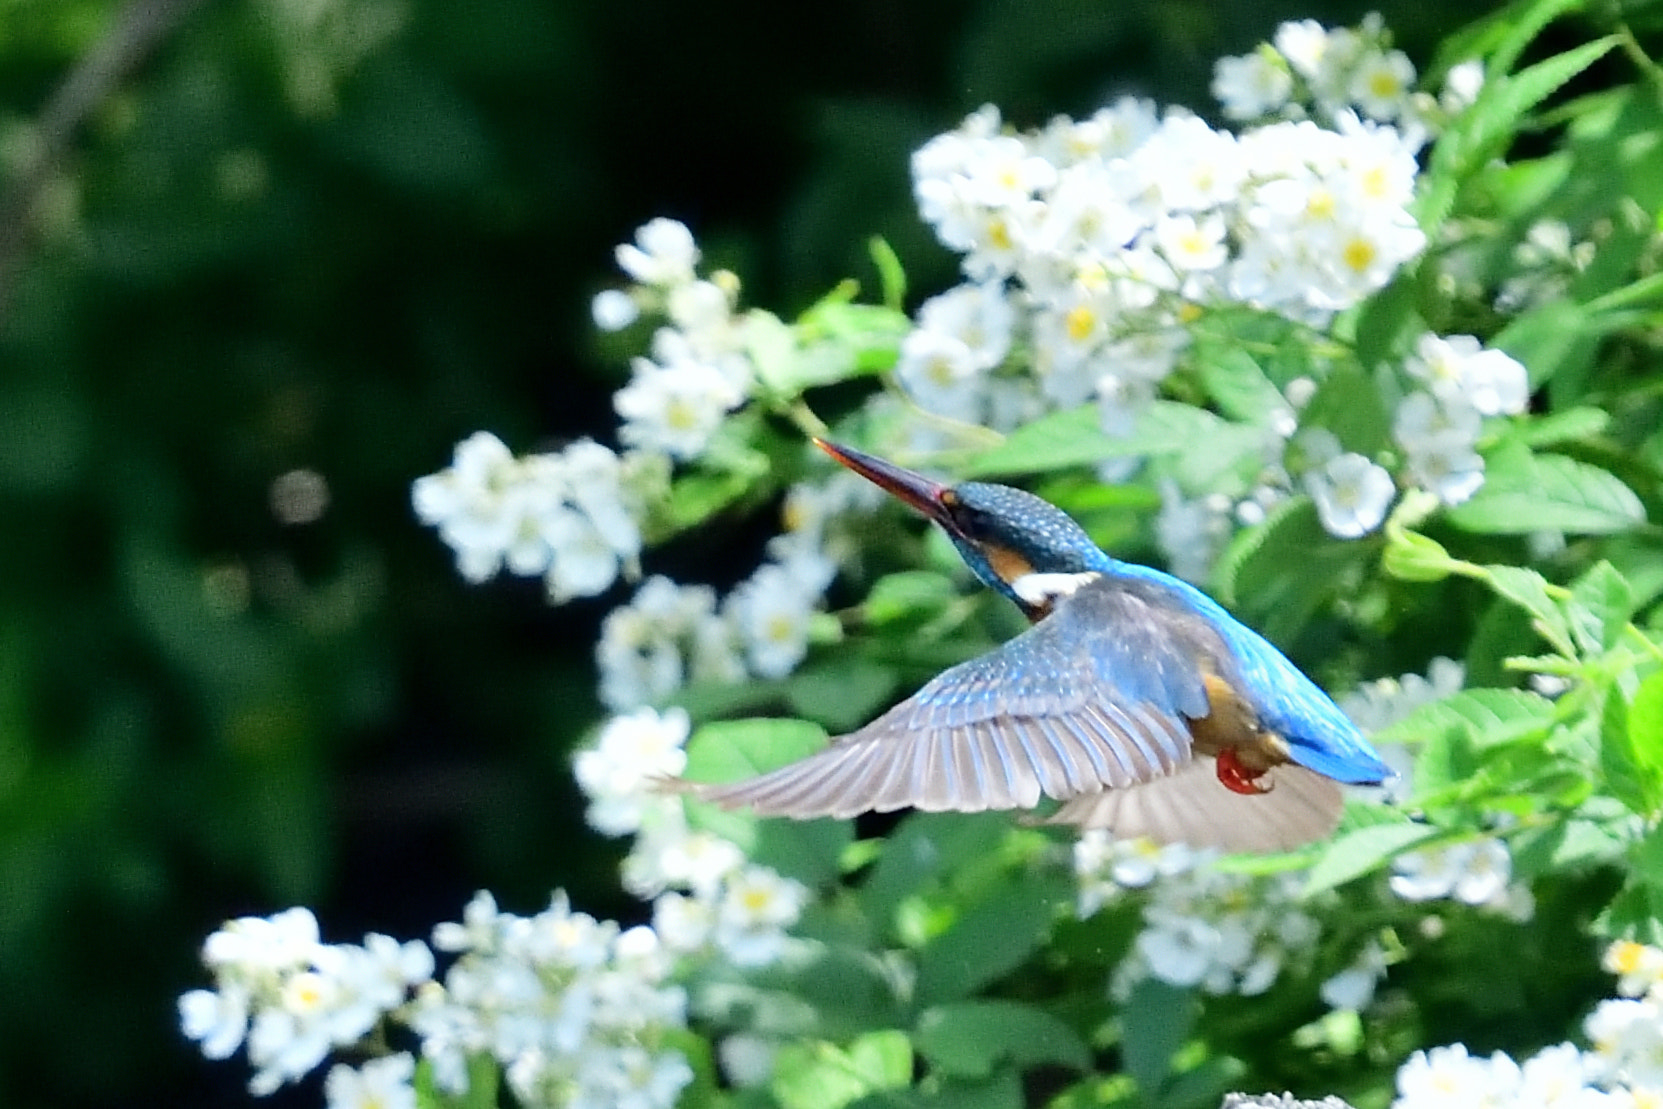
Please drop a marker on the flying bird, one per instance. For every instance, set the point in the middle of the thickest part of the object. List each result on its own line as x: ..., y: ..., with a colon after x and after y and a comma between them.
x: 1134, y: 699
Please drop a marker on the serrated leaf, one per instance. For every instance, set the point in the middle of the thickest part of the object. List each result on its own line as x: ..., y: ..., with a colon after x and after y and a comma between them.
x: 1489, y: 716
x: 1075, y: 437
x: 972, y: 1038
x: 1529, y: 590
x: 1363, y: 852
x: 1600, y: 606
x: 1524, y: 492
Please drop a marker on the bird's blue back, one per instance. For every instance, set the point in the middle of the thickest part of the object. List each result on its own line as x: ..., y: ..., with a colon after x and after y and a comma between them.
x: 1320, y: 736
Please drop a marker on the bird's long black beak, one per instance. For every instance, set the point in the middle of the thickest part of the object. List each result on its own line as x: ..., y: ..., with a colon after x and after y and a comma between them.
x: 928, y: 497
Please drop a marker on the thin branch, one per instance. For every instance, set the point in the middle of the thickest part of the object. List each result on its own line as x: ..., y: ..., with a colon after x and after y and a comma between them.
x: 135, y: 32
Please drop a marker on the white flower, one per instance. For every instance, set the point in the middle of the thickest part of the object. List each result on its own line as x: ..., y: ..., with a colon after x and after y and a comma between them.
x: 1352, y: 495
x: 772, y: 611
x: 1304, y: 44
x: 1474, y: 873
x: 1449, y: 1078
x: 1639, y: 967
x: 618, y: 772
x: 1556, y: 1078
x: 757, y: 905
x: 1627, y: 1036
x: 747, y: 1060
x: 1381, y: 83
x: 383, y: 1083
x: 1353, y: 988
x: 674, y: 408
x: 613, y: 310
x: 1192, y: 244
x: 1251, y: 86
x: 941, y: 373
x: 1459, y: 368
x: 217, y: 1020
x: 663, y: 254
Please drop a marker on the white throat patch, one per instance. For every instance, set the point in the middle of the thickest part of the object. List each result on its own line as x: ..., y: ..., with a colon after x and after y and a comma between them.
x: 1042, y: 590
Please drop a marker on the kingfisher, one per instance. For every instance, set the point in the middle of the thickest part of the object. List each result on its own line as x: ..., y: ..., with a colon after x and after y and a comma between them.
x: 1134, y: 699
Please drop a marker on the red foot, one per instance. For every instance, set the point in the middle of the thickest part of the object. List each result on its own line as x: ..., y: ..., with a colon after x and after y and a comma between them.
x: 1236, y: 777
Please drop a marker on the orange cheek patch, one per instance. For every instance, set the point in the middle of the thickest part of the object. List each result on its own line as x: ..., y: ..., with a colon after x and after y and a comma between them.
x: 1008, y: 564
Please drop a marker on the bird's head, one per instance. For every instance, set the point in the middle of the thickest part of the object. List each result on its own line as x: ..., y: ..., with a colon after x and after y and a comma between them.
x: 1007, y: 536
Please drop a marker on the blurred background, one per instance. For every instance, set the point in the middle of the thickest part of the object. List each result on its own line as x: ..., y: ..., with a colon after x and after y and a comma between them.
x: 262, y: 263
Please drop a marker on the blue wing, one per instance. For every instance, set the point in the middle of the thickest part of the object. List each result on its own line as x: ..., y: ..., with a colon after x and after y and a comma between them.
x: 1096, y: 696
x: 1319, y: 735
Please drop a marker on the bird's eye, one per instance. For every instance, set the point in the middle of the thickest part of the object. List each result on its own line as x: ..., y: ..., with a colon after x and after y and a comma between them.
x: 973, y: 522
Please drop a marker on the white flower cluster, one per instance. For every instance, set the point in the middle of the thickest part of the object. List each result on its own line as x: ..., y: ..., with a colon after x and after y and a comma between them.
x: 1308, y: 69
x: 707, y: 898
x: 1374, y: 706
x: 669, y: 634
x: 699, y: 371
x: 1221, y: 931
x: 575, y: 1010
x: 1477, y: 873
x: 292, y: 998
x: 566, y: 517
x: 1624, y: 1070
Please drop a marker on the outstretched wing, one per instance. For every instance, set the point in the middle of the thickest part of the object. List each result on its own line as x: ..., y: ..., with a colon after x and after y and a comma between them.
x: 1192, y: 806
x: 1096, y: 696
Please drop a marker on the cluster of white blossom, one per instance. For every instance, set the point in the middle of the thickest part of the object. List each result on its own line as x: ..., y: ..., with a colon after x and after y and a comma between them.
x: 1624, y: 1069
x: 577, y: 1011
x: 1309, y: 70
x: 567, y: 517
x: 1476, y: 872
x: 292, y: 998
x: 670, y: 634
x: 699, y: 370
x: 707, y: 897
x: 1218, y: 930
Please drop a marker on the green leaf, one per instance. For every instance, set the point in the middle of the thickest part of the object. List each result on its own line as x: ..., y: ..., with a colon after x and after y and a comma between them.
x: 1348, y: 403
x: 1600, y: 606
x: 925, y: 847
x: 1154, y: 1023
x: 820, y: 1075
x: 1075, y: 437
x: 1547, y: 339
x: 1363, y: 852
x: 1239, y: 387
x: 908, y: 593
x: 990, y: 938
x: 1524, y: 492
x: 1445, y: 760
x: 1573, y: 425
x: 1529, y: 590
x: 734, y: 749
x: 1285, y: 568
x: 971, y: 1038
x: 1002, y: 1090
x: 1631, y: 751
x: 842, y: 692
x: 1489, y: 716
x: 892, y: 275
x: 483, y: 1076
x: 1636, y: 913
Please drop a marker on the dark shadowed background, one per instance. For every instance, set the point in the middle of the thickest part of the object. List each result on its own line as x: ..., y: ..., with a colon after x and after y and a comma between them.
x: 292, y: 240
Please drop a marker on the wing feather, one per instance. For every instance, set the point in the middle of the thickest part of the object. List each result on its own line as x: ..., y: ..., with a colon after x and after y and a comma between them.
x: 1096, y: 696
x: 1192, y: 806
